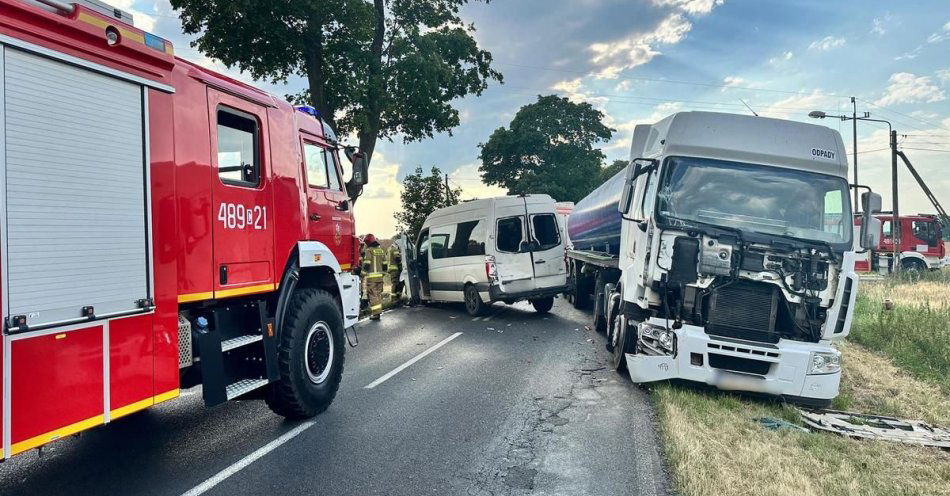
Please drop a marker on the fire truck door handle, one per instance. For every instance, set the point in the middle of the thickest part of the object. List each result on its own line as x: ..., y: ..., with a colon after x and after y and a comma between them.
x: 315, y: 217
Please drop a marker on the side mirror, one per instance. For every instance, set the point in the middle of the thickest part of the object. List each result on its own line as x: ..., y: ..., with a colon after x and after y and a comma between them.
x: 360, y: 177
x: 870, y: 225
x: 637, y: 168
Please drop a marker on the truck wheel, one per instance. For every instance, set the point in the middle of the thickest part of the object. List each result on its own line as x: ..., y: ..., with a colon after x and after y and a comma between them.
x: 543, y: 305
x: 581, y: 289
x: 913, y: 264
x: 473, y: 301
x: 310, y: 356
x: 623, y: 343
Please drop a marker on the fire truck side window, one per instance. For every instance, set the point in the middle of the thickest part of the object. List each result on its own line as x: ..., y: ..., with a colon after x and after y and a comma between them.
x: 924, y: 231
x: 886, y: 228
x: 315, y: 157
x: 238, y: 153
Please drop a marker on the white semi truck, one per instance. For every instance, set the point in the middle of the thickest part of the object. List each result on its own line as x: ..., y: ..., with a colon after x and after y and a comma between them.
x: 724, y: 255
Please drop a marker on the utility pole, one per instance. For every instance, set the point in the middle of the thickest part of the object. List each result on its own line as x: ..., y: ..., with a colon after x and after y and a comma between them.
x: 854, y: 120
x: 448, y: 191
x: 895, y: 217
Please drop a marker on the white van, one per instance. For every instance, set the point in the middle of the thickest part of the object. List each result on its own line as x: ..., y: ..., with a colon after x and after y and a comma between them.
x: 506, y: 249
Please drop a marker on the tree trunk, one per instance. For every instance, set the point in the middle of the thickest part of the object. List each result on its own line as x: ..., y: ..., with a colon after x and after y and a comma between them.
x: 316, y: 78
x: 369, y: 133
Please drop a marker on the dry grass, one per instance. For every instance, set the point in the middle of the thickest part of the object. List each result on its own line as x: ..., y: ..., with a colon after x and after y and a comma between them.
x: 715, y: 447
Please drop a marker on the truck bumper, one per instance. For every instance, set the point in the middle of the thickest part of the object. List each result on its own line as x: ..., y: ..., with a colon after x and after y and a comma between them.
x: 786, y: 364
x: 495, y: 293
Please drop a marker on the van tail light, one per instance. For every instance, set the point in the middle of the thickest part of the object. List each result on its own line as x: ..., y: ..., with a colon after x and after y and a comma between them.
x: 491, y: 270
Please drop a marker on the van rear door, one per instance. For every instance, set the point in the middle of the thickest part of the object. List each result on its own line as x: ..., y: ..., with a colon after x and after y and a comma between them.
x: 512, y: 260
x: 548, y: 256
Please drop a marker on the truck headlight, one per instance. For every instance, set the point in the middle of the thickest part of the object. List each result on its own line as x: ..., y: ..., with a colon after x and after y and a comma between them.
x: 824, y: 362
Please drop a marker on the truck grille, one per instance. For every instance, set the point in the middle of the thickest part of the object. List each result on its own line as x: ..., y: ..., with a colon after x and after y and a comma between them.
x: 744, y: 310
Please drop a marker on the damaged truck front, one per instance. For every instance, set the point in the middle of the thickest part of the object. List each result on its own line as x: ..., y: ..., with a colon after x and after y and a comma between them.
x: 724, y: 254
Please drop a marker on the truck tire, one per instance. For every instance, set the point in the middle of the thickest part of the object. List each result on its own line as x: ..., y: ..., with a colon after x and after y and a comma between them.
x: 543, y: 305
x: 913, y: 264
x: 600, y: 309
x: 310, y: 355
x: 623, y: 342
x: 581, y: 298
x: 473, y: 301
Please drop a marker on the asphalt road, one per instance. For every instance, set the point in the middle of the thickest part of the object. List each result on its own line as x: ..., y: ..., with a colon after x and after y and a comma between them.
x: 518, y: 403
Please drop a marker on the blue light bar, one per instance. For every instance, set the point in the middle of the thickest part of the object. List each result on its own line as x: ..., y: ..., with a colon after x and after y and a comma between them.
x: 307, y: 109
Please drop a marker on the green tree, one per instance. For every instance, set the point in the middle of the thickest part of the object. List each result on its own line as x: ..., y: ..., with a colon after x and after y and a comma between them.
x: 612, y: 169
x: 375, y: 67
x: 547, y: 148
x: 421, y: 195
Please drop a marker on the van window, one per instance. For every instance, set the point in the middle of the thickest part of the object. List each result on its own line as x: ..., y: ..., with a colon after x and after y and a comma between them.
x: 469, y: 239
x: 510, y: 234
x: 545, y: 231
x: 238, y: 154
x: 439, y: 244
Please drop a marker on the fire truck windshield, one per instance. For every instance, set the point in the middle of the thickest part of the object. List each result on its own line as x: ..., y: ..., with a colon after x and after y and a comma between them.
x: 756, y: 198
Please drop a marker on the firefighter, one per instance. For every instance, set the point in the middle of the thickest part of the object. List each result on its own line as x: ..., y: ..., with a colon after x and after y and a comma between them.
x: 374, y: 270
x: 394, y: 261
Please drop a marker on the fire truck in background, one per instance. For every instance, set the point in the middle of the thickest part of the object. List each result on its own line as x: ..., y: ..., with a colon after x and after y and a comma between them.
x: 921, y: 245
x: 163, y: 226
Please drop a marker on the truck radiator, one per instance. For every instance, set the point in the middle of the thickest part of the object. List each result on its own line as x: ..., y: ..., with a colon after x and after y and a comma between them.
x: 744, y: 310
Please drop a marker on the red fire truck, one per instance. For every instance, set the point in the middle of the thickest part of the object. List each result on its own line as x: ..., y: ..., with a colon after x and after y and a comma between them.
x: 163, y: 226
x: 921, y: 245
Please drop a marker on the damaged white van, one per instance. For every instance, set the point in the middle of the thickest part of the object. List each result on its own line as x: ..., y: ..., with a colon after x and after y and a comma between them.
x: 506, y: 249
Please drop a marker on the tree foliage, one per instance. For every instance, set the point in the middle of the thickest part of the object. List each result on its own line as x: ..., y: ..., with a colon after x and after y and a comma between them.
x: 547, y: 148
x: 612, y: 169
x: 374, y: 67
x: 421, y: 195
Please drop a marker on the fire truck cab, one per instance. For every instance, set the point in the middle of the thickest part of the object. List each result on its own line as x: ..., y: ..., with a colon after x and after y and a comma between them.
x: 161, y: 227
x: 921, y: 245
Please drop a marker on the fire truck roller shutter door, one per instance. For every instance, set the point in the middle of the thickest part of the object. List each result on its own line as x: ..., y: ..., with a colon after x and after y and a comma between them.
x: 76, y: 219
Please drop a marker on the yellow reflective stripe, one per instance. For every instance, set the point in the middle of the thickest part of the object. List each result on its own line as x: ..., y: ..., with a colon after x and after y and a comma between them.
x: 132, y: 408
x: 374, y: 275
x: 345, y: 267
x: 99, y: 23
x: 167, y: 396
x: 376, y: 307
x: 260, y: 288
x: 69, y: 430
x: 190, y: 297
x: 1, y: 453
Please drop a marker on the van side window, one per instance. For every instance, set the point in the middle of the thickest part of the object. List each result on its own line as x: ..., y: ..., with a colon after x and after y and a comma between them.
x: 469, y: 239
x: 545, y: 231
x: 238, y: 151
x: 439, y: 246
x: 510, y: 234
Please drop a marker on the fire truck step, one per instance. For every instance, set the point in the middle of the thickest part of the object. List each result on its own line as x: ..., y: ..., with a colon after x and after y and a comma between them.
x: 239, y: 341
x: 244, y: 386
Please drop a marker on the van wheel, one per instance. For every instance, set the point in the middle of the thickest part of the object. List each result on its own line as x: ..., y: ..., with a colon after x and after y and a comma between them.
x: 473, y: 301
x: 310, y: 356
x: 543, y: 305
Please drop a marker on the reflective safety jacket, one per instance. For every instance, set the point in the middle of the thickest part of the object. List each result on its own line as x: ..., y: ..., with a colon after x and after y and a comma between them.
x: 373, y: 260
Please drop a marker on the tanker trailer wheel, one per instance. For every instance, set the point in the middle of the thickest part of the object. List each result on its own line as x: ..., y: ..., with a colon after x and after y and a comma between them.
x: 310, y: 356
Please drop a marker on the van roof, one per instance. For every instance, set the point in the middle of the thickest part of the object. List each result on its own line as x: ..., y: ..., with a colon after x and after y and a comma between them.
x: 486, y: 203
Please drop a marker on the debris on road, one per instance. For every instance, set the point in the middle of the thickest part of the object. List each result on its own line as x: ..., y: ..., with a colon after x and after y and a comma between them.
x: 777, y: 424
x: 863, y: 426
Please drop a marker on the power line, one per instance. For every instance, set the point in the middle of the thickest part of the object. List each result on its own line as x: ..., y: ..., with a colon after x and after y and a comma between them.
x: 926, y: 149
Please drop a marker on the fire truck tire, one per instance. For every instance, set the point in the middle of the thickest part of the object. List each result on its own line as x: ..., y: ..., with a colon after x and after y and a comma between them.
x: 310, y: 356
x: 913, y: 264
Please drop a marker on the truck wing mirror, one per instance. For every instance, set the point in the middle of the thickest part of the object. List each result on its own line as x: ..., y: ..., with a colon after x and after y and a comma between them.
x: 637, y: 168
x: 870, y: 225
x: 360, y: 177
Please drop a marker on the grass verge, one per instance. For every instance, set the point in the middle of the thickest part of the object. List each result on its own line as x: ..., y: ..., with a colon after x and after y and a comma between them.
x: 714, y: 446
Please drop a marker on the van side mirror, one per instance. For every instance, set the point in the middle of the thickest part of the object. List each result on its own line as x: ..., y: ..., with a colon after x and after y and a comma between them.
x: 637, y: 168
x: 870, y: 225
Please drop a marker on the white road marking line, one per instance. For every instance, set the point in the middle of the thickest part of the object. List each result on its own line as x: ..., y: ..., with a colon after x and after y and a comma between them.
x: 247, y: 460
x: 476, y: 319
x: 413, y: 360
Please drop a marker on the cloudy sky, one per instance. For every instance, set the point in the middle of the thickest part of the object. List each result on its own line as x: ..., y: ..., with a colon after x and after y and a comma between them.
x: 640, y: 60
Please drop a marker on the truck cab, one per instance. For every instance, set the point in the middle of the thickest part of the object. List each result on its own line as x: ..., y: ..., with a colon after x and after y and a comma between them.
x: 735, y: 264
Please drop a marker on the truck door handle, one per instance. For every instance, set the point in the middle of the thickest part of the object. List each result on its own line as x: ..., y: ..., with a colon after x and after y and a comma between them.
x: 315, y: 217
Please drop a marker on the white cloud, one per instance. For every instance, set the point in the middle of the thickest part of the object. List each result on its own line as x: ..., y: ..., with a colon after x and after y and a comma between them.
x: 468, y: 178
x: 878, y: 27
x: 142, y: 20
x: 638, y: 49
x: 941, y: 35
x: 797, y: 105
x: 732, y: 82
x: 574, y: 91
x: 826, y: 43
x: 695, y: 7
x: 943, y: 75
x: 620, y: 144
x: 909, y: 88
x: 375, y: 210
x: 784, y: 57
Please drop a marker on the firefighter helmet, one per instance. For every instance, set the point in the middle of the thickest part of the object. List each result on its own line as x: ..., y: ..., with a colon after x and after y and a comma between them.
x: 369, y: 239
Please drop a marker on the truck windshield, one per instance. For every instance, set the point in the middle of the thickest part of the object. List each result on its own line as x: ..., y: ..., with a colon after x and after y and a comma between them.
x: 757, y: 198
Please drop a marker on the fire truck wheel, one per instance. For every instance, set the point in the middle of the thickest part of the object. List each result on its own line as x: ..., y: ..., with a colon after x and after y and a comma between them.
x: 473, y: 301
x: 913, y: 264
x: 543, y: 305
x: 310, y: 356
